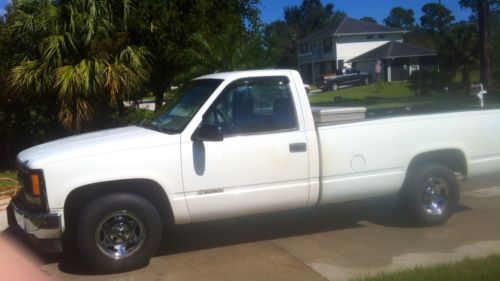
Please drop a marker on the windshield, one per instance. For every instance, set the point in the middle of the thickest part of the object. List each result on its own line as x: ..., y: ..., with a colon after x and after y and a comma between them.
x: 174, y: 118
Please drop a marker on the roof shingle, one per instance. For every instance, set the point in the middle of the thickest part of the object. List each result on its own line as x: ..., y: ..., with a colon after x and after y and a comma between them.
x: 394, y: 49
x: 350, y: 26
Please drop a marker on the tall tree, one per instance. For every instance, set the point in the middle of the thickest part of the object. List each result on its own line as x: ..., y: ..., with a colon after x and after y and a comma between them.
x: 368, y: 19
x: 494, y: 7
x: 483, y: 12
x: 279, y: 40
x: 76, y: 52
x: 436, y: 19
x: 458, y: 50
x: 300, y: 21
x: 311, y: 16
x: 487, y: 15
x: 179, y: 33
x: 400, y: 17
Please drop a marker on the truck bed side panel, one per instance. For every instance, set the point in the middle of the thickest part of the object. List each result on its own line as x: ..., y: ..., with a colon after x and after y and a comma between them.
x: 370, y: 158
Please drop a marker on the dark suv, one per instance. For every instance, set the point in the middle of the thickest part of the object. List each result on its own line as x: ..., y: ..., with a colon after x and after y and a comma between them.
x: 349, y: 77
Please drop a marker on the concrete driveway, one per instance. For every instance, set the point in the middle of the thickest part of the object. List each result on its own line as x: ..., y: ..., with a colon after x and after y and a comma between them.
x: 328, y: 243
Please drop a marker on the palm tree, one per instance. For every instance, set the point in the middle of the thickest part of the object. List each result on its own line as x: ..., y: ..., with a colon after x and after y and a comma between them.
x: 78, y: 51
x: 227, y: 51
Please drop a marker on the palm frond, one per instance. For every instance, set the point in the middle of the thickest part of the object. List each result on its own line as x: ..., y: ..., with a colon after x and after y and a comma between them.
x: 28, y: 78
x: 53, y: 48
x: 136, y: 58
x: 73, y: 114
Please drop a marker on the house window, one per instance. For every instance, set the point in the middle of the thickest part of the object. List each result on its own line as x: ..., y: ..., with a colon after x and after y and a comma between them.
x: 381, y: 36
x: 327, y: 45
x: 304, y: 48
x: 369, y: 36
x: 413, y: 68
x: 414, y: 64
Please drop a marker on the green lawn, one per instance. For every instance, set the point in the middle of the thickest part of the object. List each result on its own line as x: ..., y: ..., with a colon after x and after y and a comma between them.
x: 148, y: 98
x: 396, y: 95
x: 467, y: 270
x: 5, y: 184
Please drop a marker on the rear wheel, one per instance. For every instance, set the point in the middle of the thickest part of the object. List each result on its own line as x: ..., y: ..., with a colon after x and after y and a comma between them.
x: 366, y: 81
x: 431, y: 194
x: 334, y: 87
x: 118, y: 232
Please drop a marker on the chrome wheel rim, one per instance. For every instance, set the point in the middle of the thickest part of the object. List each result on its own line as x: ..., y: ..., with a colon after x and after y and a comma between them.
x: 435, y: 196
x: 120, y: 234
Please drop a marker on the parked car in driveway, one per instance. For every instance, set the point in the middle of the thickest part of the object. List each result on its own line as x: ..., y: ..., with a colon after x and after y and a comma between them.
x: 348, y: 77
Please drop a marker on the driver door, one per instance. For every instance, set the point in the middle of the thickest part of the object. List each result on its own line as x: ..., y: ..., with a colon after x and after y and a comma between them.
x: 260, y: 165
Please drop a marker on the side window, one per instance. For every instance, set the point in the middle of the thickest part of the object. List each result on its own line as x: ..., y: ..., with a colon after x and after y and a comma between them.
x: 257, y: 105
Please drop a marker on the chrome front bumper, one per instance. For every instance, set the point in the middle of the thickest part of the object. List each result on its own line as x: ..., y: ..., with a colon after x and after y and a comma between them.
x: 44, y: 228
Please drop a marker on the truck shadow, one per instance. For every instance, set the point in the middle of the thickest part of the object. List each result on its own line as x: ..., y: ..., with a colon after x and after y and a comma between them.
x: 206, y: 235
x: 381, y: 211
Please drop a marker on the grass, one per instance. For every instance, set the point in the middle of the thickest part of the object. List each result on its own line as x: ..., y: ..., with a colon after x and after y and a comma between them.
x: 379, y: 96
x: 467, y: 270
x: 148, y: 98
x: 6, y: 185
x: 380, y: 90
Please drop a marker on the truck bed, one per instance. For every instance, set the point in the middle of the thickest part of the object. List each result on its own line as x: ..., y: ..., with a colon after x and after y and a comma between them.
x: 358, y: 155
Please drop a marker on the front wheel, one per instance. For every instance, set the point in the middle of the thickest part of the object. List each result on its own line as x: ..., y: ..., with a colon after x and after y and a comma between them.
x: 334, y: 87
x: 118, y: 232
x: 431, y: 194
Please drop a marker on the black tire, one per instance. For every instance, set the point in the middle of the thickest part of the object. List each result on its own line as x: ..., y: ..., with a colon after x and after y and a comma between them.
x: 430, y: 194
x: 126, y: 217
x: 334, y: 87
x: 366, y: 81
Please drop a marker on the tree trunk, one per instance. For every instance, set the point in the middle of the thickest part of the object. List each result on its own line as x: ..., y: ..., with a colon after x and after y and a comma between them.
x: 158, y: 98
x: 484, y: 42
x: 120, y: 105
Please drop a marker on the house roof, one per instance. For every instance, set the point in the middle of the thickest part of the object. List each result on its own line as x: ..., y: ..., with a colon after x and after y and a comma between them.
x: 394, y: 49
x: 350, y: 26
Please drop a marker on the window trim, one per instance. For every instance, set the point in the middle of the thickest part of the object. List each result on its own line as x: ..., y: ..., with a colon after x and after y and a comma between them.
x: 253, y: 79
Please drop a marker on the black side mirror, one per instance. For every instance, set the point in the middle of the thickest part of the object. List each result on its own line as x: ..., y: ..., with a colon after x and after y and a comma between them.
x: 207, y: 132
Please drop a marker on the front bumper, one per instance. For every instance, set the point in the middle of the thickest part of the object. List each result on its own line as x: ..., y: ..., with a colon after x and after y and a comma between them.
x: 44, y: 229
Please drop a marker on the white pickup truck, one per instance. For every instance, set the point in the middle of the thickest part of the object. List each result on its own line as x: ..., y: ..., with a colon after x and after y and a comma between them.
x: 235, y: 144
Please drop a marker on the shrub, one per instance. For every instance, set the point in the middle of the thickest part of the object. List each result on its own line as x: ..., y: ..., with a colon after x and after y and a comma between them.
x: 134, y: 116
x: 423, y: 82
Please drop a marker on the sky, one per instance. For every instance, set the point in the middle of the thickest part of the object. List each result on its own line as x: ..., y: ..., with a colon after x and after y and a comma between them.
x: 272, y: 10
x: 3, y: 4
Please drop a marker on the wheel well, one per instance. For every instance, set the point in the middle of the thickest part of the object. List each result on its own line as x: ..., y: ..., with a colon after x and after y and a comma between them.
x: 148, y: 189
x: 452, y: 158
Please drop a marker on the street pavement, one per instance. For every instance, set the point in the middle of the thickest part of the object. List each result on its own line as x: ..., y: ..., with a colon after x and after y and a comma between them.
x: 337, y: 242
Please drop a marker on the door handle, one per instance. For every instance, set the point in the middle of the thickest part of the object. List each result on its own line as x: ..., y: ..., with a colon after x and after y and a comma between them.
x: 298, y: 147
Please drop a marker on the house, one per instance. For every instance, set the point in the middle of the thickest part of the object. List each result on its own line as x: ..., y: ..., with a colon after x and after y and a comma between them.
x: 326, y: 50
x: 396, y: 61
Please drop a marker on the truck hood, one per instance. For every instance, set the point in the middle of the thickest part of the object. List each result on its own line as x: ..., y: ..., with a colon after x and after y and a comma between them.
x: 84, y: 145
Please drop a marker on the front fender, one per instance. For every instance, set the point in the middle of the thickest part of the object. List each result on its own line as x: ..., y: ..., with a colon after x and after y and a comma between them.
x: 64, y: 177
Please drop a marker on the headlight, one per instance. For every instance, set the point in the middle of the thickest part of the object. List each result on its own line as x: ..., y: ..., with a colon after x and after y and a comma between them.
x: 33, y: 190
